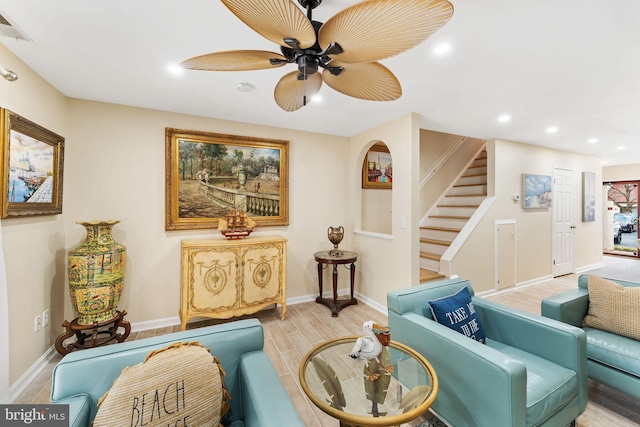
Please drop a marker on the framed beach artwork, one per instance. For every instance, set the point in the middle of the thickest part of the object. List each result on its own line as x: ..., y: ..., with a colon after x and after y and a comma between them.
x: 32, y: 167
x: 377, y: 168
x: 588, y: 196
x: 209, y: 174
x: 537, y: 191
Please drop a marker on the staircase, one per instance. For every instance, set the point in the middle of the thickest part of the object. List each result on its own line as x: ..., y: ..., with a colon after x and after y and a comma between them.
x: 450, y: 214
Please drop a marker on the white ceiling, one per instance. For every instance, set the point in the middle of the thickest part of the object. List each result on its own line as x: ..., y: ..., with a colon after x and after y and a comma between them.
x: 573, y: 64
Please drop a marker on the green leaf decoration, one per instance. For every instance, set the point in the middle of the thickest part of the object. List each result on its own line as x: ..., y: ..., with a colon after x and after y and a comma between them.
x: 414, y: 398
x: 376, y: 377
x: 330, y: 382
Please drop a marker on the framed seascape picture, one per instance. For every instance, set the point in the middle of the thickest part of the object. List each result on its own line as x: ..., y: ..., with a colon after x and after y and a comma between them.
x: 32, y: 167
x: 537, y: 191
x: 588, y: 196
x: 210, y: 174
x: 377, y: 168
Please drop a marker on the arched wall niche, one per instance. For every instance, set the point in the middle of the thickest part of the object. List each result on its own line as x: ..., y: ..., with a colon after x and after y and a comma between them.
x: 376, y: 195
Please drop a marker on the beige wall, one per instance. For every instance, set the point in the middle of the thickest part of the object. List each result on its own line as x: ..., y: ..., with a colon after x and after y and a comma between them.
x: 34, y: 247
x: 390, y: 261
x: 118, y: 172
x: 621, y: 173
x: 533, y: 227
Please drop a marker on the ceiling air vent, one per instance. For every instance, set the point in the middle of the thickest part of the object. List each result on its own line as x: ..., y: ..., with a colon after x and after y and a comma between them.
x: 9, y: 29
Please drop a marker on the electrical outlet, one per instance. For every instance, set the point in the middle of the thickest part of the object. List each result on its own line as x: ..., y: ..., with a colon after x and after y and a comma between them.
x: 37, y: 324
x: 45, y: 318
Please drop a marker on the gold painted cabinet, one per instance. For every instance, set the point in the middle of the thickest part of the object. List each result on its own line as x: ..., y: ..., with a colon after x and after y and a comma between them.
x: 227, y: 278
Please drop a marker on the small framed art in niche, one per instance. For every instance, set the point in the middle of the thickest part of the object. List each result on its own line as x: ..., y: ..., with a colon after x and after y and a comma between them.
x: 208, y: 174
x: 377, y: 168
x: 32, y: 167
x: 537, y: 191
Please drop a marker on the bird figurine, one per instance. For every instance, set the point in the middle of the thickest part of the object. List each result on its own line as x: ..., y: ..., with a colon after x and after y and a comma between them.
x: 369, y: 346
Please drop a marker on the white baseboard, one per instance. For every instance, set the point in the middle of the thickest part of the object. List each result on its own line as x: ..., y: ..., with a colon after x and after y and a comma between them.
x: 31, y: 374
x: 175, y: 320
x: 517, y: 286
x: 586, y: 268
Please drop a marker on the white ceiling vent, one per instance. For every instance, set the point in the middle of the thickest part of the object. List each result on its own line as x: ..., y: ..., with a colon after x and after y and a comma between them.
x: 9, y: 29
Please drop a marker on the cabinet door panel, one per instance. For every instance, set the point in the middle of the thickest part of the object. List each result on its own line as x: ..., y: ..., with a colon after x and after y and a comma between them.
x: 213, y: 278
x: 262, y: 268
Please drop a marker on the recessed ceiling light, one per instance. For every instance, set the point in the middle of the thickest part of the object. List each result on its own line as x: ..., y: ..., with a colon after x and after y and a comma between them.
x: 442, y: 48
x: 175, y: 69
x: 316, y: 98
x: 552, y: 129
x: 592, y: 141
x: 622, y: 147
x: 244, y: 87
x: 504, y: 118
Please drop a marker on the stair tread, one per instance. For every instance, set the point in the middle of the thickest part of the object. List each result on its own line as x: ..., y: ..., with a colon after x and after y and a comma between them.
x: 467, y: 195
x: 427, y: 275
x: 449, y: 229
x: 458, y: 206
x: 449, y: 217
x: 469, y: 185
x: 435, y: 242
x: 475, y: 175
x: 431, y: 256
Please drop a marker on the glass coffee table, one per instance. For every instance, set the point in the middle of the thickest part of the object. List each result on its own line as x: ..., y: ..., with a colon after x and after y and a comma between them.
x: 394, y: 388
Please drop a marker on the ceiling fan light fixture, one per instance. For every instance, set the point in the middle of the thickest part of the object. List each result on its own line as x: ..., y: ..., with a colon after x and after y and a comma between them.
x: 347, y: 46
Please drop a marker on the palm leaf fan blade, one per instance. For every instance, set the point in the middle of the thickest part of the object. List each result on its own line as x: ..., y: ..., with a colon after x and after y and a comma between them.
x: 274, y: 20
x: 377, y: 29
x: 371, y: 81
x: 292, y: 94
x: 330, y: 382
x: 233, y: 60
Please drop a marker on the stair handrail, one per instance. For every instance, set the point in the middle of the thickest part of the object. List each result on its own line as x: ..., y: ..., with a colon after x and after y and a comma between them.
x: 442, y: 160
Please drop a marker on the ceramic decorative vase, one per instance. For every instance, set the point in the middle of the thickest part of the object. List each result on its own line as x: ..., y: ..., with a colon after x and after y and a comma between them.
x: 96, y: 274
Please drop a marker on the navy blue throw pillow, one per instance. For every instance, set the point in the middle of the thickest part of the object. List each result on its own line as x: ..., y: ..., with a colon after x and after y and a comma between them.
x: 457, y: 312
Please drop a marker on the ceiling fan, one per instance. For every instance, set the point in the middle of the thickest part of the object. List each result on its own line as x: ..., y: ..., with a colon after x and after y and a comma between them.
x: 346, y: 47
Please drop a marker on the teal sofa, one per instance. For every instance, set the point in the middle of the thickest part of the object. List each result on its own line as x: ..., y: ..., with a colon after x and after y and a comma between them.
x: 612, y: 359
x: 258, y: 398
x: 531, y: 371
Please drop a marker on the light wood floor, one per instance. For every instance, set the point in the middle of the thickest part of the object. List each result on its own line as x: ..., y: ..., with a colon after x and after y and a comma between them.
x: 307, y: 324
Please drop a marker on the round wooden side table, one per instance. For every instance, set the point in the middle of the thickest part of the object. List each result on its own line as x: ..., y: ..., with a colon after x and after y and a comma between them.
x: 346, y: 258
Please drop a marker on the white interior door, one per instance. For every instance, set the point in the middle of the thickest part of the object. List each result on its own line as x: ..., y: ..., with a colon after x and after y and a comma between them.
x: 563, y: 226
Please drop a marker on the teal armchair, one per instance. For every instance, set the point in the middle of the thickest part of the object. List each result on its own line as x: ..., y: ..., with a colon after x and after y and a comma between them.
x: 531, y: 371
x: 612, y: 359
x: 258, y: 398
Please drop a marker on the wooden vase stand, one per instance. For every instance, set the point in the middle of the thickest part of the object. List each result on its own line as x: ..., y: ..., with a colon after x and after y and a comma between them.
x: 100, y: 333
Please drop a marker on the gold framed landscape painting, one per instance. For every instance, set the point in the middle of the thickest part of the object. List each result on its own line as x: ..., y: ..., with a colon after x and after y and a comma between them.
x: 377, y: 168
x: 209, y: 174
x: 32, y: 167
